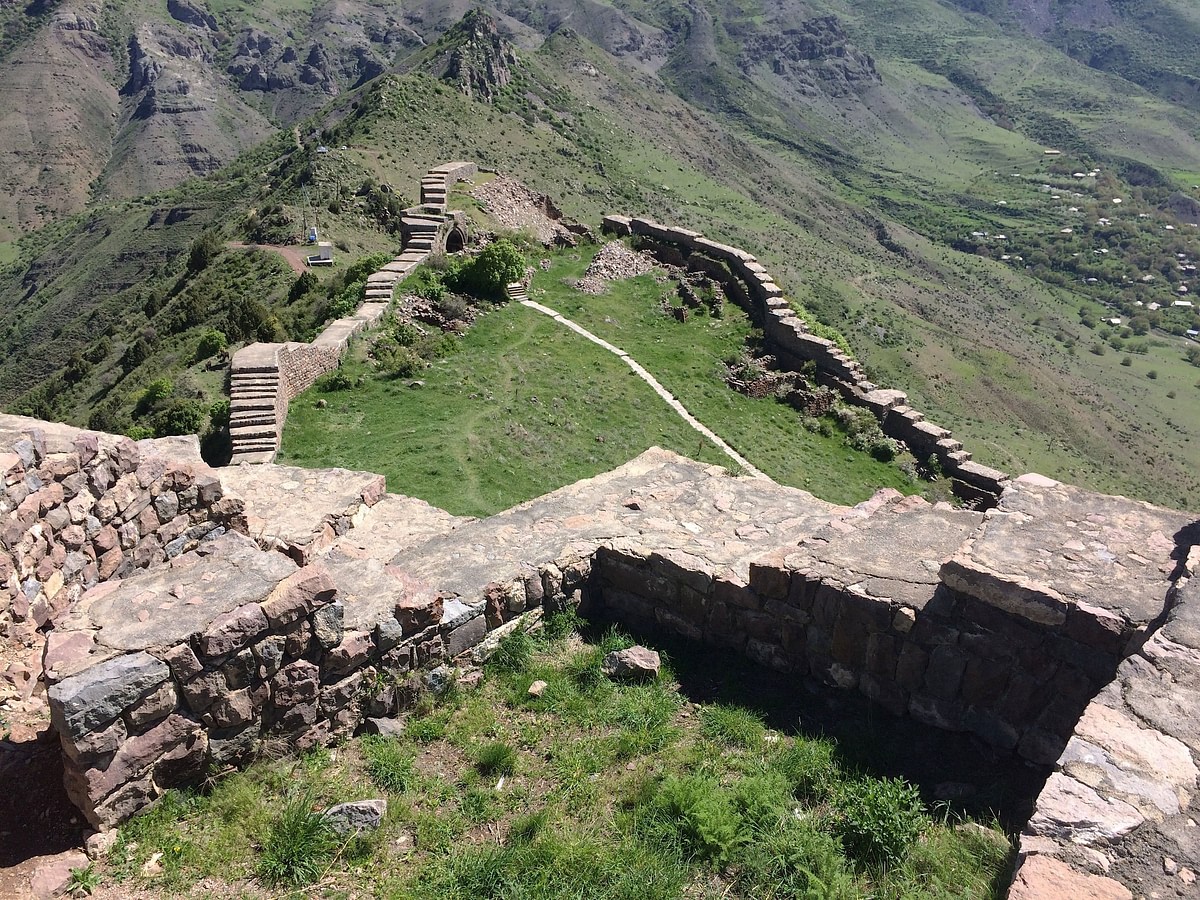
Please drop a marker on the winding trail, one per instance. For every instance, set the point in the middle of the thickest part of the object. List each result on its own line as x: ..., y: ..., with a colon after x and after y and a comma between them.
x: 517, y: 292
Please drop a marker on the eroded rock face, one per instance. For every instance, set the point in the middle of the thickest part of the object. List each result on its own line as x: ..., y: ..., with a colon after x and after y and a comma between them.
x: 816, y: 56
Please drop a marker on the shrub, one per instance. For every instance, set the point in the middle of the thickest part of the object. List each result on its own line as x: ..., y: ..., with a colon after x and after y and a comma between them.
x: 204, y: 250
x: 499, y: 264
x: 180, y: 417
x: 389, y: 764
x: 695, y: 814
x: 1152, y: 374
x: 211, y: 343
x: 877, y: 820
x: 496, y: 759
x: 334, y: 381
x: 299, y: 845
x: 1126, y: 361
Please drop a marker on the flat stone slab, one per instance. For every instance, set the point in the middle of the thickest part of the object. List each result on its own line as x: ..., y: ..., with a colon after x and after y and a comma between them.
x: 1048, y: 546
x: 1122, y: 799
x: 300, y: 510
x: 164, y: 607
x: 396, y: 523
x: 659, y: 499
x: 895, y: 554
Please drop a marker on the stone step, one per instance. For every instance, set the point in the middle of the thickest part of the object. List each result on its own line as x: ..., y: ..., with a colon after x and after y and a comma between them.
x: 958, y: 457
x: 421, y: 244
x: 245, y: 393
x: 243, y: 366
x: 251, y: 456
x: 240, y: 434
x: 428, y: 223
x: 433, y: 208
x: 250, y: 404
x: 256, y: 384
x: 252, y: 418
x: 949, y: 445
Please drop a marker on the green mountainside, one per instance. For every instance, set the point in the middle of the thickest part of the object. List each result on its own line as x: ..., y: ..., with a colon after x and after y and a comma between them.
x: 887, y: 160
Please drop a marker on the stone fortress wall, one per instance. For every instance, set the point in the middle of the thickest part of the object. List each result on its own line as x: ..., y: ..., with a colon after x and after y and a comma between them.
x: 1060, y: 626
x: 264, y: 377
x: 788, y: 338
x: 260, y: 605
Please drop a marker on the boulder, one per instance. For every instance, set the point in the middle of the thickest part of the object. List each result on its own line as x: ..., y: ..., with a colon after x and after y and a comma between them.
x: 635, y: 662
x: 361, y: 815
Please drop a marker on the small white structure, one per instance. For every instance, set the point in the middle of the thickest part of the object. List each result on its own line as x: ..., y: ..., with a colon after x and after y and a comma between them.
x: 1187, y: 304
x: 324, y: 255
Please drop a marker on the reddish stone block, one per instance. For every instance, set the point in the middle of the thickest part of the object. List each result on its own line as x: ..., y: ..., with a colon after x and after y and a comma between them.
x: 232, y: 631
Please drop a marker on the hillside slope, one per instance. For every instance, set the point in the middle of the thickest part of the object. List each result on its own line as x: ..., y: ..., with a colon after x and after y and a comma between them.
x: 856, y: 148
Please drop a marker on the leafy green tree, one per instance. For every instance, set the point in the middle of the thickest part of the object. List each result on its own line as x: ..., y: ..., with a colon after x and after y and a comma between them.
x: 204, y: 250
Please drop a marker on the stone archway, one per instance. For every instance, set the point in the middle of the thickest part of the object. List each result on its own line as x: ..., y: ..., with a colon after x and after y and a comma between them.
x: 456, y: 240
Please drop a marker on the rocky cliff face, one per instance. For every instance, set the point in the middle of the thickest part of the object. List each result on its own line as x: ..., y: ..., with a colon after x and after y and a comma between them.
x: 474, y: 57
x: 816, y: 56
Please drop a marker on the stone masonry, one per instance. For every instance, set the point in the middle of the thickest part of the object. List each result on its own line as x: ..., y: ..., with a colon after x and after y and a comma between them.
x: 789, y: 339
x: 264, y: 378
x: 1058, y: 626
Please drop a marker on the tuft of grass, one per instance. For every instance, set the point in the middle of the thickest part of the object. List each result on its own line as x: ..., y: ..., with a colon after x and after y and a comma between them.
x: 732, y: 725
x: 809, y: 766
x: 389, y: 764
x: 83, y: 881
x: 496, y: 759
x: 514, y: 653
x: 299, y: 846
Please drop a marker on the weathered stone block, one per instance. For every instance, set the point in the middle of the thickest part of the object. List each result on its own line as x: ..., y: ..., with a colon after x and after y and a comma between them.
x: 327, y: 624
x: 96, y: 696
x: 944, y: 673
x: 152, y: 708
x: 911, y: 666
x: 416, y: 613
x: 352, y: 652
x: 204, y: 690
x: 231, y: 710
x: 465, y: 636
x: 984, y: 682
x: 299, y: 595
x: 341, y: 695
x: 734, y: 594
x: 294, y: 684
x: 233, y: 630
x: 770, y: 580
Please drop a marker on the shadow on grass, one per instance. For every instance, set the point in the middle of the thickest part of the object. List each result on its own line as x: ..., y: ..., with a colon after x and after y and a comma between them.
x: 954, y: 771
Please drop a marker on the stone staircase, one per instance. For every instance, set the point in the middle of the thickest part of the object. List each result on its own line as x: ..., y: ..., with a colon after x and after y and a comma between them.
x: 517, y: 292
x: 254, y: 387
x: 259, y: 391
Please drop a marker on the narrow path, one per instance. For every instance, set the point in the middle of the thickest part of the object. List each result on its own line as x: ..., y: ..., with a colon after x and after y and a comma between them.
x: 523, y: 298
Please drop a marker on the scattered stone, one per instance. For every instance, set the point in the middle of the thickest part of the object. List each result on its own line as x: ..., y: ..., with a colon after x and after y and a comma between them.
x: 98, y: 843
x: 52, y: 874
x: 470, y: 679
x: 614, y: 262
x: 538, y: 688
x: 389, y: 728
x: 1170, y: 867
x: 438, y: 680
x: 634, y: 662
x: 361, y: 815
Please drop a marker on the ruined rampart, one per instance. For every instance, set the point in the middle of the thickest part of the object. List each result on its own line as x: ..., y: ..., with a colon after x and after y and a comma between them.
x: 1059, y: 626
x: 264, y: 378
x: 790, y: 340
x: 80, y: 508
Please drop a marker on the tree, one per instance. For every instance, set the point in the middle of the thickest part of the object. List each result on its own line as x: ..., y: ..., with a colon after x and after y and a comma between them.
x: 204, y: 250
x: 497, y: 266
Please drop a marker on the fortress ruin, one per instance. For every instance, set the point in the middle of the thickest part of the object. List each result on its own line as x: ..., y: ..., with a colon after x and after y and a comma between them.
x: 191, y: 614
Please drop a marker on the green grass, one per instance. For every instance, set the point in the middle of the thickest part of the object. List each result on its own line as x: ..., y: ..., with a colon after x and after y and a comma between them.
x: 497, y: 422
x: 574, y: 816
